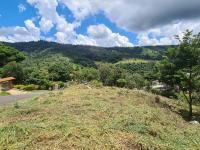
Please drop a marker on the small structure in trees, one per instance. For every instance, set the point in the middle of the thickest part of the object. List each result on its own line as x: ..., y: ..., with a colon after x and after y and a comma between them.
x: 6, y: 83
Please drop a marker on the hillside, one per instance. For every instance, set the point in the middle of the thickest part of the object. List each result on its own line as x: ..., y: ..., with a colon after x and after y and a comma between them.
x: 83, y: 117
x: 75, y: 52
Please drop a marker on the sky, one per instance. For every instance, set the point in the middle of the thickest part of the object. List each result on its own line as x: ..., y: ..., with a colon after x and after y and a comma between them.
x: 104, y: 23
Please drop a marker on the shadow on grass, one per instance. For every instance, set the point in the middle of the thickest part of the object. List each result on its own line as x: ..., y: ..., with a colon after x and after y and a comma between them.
x: 182, y: 112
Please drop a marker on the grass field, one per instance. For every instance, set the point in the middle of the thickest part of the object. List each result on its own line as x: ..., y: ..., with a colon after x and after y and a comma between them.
x: 4, y: 94
x: 97, y: 119
x: 134, y: 61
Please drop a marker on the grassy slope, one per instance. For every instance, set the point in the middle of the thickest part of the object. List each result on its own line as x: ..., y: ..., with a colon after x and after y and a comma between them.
x: 104, y: 118
x: 134, y: 60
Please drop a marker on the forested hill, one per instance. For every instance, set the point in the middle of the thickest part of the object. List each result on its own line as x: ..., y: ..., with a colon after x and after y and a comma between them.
x: 77, y: 52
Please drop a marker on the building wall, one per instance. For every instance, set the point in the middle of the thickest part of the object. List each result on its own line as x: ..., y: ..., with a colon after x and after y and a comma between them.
x: 5, y: 86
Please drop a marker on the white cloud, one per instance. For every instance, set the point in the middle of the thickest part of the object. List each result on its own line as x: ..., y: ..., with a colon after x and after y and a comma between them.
x: 164, y: 35
x: 155, y: 22
x: 85, y: 40
x: 33, y: 30
x: 21, y: 8
x: 97, y: 35
x: 81, y: 9
x: 143, y: 16
x: 17, y: 34
x: 137, y: 15
x: 105, y: 37
x: 47, y: 9
x: 46, y: 25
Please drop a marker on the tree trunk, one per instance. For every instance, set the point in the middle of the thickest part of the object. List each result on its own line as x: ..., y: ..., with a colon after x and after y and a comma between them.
x: 190, y: 107
x: 190, y: 96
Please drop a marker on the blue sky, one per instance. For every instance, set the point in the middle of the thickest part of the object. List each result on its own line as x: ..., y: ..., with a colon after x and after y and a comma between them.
x: 98, y: 22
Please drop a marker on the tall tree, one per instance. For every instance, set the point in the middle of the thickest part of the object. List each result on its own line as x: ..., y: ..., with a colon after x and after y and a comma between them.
x: 181, y: 68
x: 13, y: 69
x: 9, y: 54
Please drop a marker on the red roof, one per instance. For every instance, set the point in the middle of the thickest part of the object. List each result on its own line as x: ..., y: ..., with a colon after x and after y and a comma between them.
x: 6, y: 79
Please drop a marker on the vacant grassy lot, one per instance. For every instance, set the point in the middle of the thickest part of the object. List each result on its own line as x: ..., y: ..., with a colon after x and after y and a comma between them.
x: 134, y: 61
x: 97, y: 118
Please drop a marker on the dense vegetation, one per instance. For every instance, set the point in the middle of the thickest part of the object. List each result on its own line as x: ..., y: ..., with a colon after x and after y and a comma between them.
x: 49, y: 62
x: 88, y: 55
x: 181, y: 69
x: 8, y: 54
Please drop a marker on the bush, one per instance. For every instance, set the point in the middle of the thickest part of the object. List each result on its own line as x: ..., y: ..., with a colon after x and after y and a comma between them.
x: 29, y: 87
x: 96, y: 83
x: 86, y: 75
x: 121, y: 82
x: 20, y: 87
x: 135, y: 81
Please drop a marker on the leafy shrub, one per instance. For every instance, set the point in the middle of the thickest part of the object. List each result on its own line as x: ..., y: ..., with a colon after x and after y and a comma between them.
x: 121, y: 82
x: 135, y: 81
x: 96, y: 83
x: 29, y: 87
x: 86, y: 75
x: 20, y: 87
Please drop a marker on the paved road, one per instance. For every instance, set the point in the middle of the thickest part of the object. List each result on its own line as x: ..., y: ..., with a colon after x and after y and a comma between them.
x: 13, y: 98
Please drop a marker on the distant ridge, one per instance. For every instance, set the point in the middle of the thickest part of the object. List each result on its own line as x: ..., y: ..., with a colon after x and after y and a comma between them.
x: 94, y: 53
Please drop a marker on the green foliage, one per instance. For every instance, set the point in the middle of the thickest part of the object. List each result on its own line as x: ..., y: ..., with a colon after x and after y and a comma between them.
x: 13, y: 69
x: 96, y: 83
x: 86, y: 74
x: 182, y: 67
x: 3, y: 93
x: 135, y: 81
x: 50, y: 62
x: 121, y: 82
x: 60, y: 71
x: 145, y: 69
x: 30, y: 87
x: 87, y: 55
x: 20, y: 87
x: 9, y: 54
x: 113, y: 75
x: 109, y: 74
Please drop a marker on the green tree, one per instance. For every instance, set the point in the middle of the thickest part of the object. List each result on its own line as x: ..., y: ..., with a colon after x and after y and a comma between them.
x: 109, y: 74
x: 86, y: 74
x: 60, y: 71
x: 181, y: 68
x: 9, y: 54
x: 13, y: 69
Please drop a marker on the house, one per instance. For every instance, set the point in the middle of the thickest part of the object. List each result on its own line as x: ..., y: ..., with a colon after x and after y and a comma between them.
x: 6, y: 83
x: 156, y: 85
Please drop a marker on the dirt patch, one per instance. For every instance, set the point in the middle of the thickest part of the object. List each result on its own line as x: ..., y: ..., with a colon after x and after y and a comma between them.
x: 16, y: 92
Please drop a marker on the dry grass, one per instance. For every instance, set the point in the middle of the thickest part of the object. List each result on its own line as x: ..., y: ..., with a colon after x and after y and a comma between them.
x: 134, y: 61
x: 97, y: 118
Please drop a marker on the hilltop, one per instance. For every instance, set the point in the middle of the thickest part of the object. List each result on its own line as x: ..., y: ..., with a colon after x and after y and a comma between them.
x: 89, y: 117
